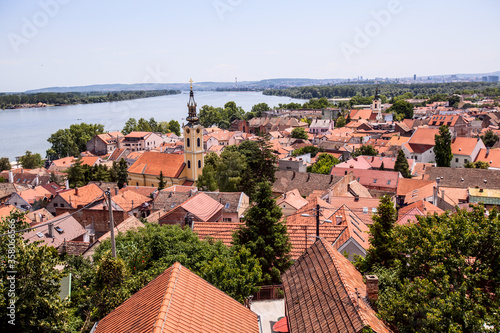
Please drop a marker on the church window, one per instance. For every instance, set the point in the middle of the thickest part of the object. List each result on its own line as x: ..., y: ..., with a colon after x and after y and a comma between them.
x: 199, y: 163
x: 188, y: 142
x: 189, y: 164
x: 199, y: 142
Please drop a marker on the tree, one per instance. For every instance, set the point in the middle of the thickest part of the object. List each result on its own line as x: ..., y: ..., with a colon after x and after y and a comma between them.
x: 161, y: 181
x: 210, y: 115
x: 143, y: 126
x: 31, y: 161
x: 38, y: 307
x: 324, y: 164
x: 402, y: 165
x: 341, y: 122
x: 477, y: 165
x: 174, y: 127
x: 230, y: 170
x: 53, y: 178
x: 381, y: 250
x: 73, y: 140
x: 207, y: 180
x: 453, y: 101
x: 257, y: 109
x: 76, y: 174
x: 313, y: 150
x: 265, y: 235
x: 5, y: 164
x: 120, y: 169
x: 382, y: 167
x: 442, y: 147
x: 489, y: 138
x: 402, y: 107
x: 232, y: 111
x: 299, y: 133
x: 446, y: 279
x: 130, y: 126
x: 366, y: 150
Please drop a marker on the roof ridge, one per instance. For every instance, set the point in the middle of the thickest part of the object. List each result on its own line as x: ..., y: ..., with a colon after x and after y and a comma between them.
x: 167, y: 299
x: 346, y: 285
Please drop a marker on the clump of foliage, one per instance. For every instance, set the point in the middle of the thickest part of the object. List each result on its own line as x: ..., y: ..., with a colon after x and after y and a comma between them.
x: 366, y: 150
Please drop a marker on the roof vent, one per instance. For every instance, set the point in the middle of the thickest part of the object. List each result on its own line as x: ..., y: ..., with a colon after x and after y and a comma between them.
x: 485, y: 181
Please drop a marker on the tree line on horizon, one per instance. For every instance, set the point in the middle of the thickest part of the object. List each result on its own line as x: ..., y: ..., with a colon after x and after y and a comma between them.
x: 9, y: 101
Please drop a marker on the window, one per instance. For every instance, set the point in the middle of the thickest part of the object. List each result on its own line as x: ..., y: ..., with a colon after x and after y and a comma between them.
x: 456, y: 159
x: 375, y: 180
x: 55, y: 204
x: 374, y: 210
x: 189, y: 163
x: 137, y: 184
x: 188, y: 142
x: 227, y: 205
x: 199, y: 163
x: 466, y: 161
x: 226, y: 219
x: 365, y: 210
x: 198, y: 142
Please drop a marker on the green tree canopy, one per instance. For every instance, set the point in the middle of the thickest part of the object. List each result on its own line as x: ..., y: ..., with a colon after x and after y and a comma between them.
x: 5, y: 164
x: 313, y: 150
x: 174, y: 127
x: 257, y: 109
x: 402, y: 164
x: 340, y: 122
x: 31, y: 161
x: 402, y: 107
x: 445, y: 279
x: 324, y: 164
x: 489, y: 138
x: 73, y: 140
x: 442, y: 147
x: 299, y: 133
x: 265, y: 235
x: 366, y: 150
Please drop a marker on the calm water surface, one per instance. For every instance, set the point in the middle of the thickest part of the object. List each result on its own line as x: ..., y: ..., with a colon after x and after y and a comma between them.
x: 29, y: 129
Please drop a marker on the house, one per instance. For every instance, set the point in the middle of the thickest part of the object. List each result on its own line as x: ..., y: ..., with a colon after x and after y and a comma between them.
x: 465, y: 150
x: 290, y: 202
x: 27, y: 177
x: 490, y: 156
x: 409, y: 213
x: 408, y: 185
x: 27, y: 199
x: 325, y: 293
x: 132, y: 223
x: 146, y: 169
x: 57, y: 231
x: 178, y: 300
x: 167, y: 199
x: 466, y: 178
x: 364, y: 208
x: 320, y: 126
x: 103, y: 144
x: 76, y: 198
x: 296, y: 164
x: 117, y: 154
x: 235, y: 204
x: 201, y: 208
x: 216, y: 230
x: 378, y: 182
x: 372, y: 163
x: 61, y: 164
x: 456, y: 124
x: 137, y: 141
x: 420, y: 147
x: 306, y: 183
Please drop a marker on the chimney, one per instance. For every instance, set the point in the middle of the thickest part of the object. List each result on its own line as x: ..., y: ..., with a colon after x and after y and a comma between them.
x: 436, y: 191
x: 11, y: 177
x: 51, y: 230
x: 67, y: 184
x: 37, y: 181
x: 487, y: 152
x: 76, y: 190
x: 116, y: 190
x: 372, y: 288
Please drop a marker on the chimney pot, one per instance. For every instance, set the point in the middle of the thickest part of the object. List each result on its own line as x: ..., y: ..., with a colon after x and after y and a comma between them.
x: 116, y: 190
x: 372, y: 288
x: 51, y: 230
x: 76, y: 190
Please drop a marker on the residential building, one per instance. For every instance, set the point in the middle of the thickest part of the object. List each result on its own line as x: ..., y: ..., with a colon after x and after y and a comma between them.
x: 320, y: 126
x: 235, y: 204
x: 456, y: 123
x: 420, y: 147
x: 465, y: 150
x: 179, y: 301
x: 199, y: 208
x: 103, y: 144
x: 325, y: 293
x: 138, y: 141
x: 147, y: 168
x: 490, y: 156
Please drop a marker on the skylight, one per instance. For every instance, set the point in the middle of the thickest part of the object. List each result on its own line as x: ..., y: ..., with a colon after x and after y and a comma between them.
x: 39, y: 234
x: 227, y: 205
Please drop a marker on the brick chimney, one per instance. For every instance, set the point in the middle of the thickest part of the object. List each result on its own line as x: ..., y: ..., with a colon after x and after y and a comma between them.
x: 372, y: 288
x: 76, y: 190
x: 116, y: 190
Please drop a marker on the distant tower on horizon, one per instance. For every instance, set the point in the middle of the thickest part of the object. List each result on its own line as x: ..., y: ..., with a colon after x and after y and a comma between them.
x: 236, y: 82
x: 414, y: 77
x: 193, y: 141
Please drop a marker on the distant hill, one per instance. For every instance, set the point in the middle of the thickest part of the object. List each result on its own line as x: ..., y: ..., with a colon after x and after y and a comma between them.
x: 279, y: 83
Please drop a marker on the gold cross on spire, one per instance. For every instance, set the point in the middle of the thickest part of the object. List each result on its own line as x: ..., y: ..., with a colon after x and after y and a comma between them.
x: 191, y: 81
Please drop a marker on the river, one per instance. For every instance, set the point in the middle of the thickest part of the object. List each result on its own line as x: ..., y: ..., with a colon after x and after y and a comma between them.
x: 29, y: 129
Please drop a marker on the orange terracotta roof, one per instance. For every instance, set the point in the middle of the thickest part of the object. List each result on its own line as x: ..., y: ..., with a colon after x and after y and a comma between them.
x: 64, y: 162
x: 179, y: 301
x: 90, y: 160
x: 70, y: 229
x: 321, y: 294
x: 33, y: 194
x: 423, y: 136
x: 217, y: 230
x: 463, y: 146
x: 152, y: 163
x: 423, y: 206
x: 202, y: 206
x: 407, y: 185
x: 146, y: 191
x: 129, y: 200
x: 492, y: 157
x: 83, y: 195
x: 293, y: 198
x: 138, y: 134
x: 180, y: 188
x: 132, y: 223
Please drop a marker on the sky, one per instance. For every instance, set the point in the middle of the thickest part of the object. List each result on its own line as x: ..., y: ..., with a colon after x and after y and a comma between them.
x: 47, y: 43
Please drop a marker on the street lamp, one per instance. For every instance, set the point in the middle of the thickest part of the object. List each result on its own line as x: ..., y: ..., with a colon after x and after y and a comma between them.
x: 317, y: 209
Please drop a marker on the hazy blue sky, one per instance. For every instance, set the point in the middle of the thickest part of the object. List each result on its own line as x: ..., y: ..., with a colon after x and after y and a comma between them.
x: 82, y: 42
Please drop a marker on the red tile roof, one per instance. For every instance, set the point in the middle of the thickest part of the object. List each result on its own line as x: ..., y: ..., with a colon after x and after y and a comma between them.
x: 217, y: 230
x: 463, y: 146
x: 70, y: 227
x: 325, y: 293
x: 386, y: 180
x: 492, y: 157
x: 202, y: 206
x: 423, y: 136
x: 179, y: 301
x: 151, y: 163
x: 83, y: 195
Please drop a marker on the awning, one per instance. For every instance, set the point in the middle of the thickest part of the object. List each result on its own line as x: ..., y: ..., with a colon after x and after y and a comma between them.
x: 281, y: 325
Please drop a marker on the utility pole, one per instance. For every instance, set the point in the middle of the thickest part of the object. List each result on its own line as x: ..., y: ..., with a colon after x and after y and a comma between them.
x: 111, y: 223
x: 317, y: 222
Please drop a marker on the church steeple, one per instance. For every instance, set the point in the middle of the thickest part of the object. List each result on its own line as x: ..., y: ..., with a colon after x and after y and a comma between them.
x: 192, y: 117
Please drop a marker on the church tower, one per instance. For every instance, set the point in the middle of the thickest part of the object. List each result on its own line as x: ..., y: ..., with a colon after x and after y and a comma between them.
x: 377, y: 103
x: 193, y: 141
